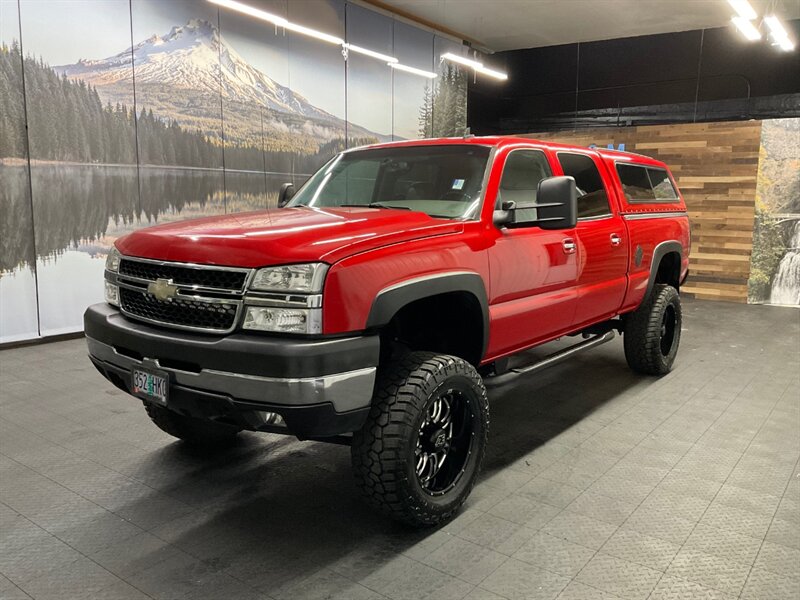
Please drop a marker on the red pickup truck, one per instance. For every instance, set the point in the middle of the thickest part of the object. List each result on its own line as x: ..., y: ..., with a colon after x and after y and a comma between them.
x: 369, y: 309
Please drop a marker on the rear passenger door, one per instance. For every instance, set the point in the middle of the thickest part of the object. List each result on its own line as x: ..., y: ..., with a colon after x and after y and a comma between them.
x: 601, y: 239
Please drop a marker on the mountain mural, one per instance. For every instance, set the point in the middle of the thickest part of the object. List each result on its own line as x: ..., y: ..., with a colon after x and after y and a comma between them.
x: 180, y: 76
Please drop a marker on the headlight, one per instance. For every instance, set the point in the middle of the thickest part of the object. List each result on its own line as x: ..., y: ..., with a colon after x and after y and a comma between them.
x: 112, y: 260
x: 307, y: 278
x: 112, y: 294
x: 286, y: 320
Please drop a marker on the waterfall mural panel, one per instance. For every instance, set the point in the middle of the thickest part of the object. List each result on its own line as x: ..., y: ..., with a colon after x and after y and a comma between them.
x: 775, y: 262
x: 18, y: 304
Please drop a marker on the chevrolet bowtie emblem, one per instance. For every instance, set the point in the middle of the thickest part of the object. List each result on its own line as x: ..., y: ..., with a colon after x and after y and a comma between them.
x: 163, y: 289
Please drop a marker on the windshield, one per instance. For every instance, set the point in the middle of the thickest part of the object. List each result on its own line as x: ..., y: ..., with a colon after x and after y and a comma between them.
x: 442, y: 181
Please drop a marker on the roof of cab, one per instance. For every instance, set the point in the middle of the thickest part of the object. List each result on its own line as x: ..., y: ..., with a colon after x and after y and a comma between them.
x: 502, y: 140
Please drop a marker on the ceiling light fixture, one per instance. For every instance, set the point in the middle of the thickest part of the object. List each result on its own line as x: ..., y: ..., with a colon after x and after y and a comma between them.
x: 743, y: 9
x: 748, y: 30
x: 367, y: 52
x: 478, y: 66
x: 253, y: 12
x: 415, y: 71
x: 325, y: 37
x: 779, y: 34
x: 279, y: 21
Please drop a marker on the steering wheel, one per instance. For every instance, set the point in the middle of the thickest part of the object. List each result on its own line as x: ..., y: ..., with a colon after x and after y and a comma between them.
x: 456, y: 195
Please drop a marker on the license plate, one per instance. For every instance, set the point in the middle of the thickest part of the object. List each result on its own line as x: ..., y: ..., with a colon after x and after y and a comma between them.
x: 150, y: 385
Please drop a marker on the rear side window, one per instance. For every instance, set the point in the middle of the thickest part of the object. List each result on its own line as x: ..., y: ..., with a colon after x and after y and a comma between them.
x: 662, y: 185
x: 646, y: 184
x: 592, y: 196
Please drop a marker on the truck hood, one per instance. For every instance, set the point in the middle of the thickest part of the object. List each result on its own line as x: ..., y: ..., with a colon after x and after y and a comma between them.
x: 282, y: 236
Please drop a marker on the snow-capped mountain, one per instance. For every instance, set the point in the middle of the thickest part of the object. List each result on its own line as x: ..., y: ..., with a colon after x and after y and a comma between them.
x: 180, y: 75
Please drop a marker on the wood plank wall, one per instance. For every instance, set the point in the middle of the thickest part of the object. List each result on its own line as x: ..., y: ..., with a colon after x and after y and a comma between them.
x: 716, y: 166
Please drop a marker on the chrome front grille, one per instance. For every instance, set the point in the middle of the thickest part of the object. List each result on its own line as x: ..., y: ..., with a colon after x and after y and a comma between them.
x: 206, y: 298
x: 210, y: 278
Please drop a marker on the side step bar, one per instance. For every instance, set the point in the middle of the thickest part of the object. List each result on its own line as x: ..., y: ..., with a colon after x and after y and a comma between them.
x: 555, y: 358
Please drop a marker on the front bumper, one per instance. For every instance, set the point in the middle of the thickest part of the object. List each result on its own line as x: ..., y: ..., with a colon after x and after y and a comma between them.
x: 320, y: 387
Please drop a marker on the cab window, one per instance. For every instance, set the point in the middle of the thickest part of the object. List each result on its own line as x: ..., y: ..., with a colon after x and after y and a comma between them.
x: 523, y: 171
x: 592, y: 196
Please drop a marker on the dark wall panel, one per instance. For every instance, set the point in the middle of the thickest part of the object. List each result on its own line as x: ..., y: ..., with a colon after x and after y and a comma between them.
x: 669, y: 78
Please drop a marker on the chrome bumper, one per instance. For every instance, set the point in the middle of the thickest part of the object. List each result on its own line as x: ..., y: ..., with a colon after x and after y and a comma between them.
x: 345, y: 391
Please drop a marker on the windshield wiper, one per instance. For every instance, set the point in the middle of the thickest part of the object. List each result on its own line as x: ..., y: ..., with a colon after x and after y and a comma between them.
x: 377, y: 205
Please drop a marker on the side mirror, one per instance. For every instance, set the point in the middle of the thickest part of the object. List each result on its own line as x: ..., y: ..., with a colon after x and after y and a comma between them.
x: 505, y: 214
x: 556, y: 207
x: 286, y: 194
x: 557, y: 203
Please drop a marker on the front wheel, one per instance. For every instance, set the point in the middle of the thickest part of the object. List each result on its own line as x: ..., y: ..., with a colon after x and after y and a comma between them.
x: 653, y: 332
x: 419, y: 452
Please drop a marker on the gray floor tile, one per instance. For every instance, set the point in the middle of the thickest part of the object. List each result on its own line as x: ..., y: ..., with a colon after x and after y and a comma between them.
x: 779, y: 559
x: 636, y: 547
x: 620, y: 577
x: 465, y: 560
x: 517, y: 580
x: 579, y: 529
x: 766, y: 585
x: 710, y: 570
x: 554, y: 554
x: 677, y: 588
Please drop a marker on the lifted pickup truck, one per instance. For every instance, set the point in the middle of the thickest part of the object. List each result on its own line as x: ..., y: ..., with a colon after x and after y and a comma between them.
x: 369, y: 309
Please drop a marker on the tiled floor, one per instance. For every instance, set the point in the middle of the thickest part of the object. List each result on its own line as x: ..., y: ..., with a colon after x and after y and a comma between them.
x: 598, y: 484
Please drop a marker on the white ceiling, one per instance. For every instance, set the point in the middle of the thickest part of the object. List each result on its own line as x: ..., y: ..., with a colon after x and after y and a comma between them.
x: 511, y: 24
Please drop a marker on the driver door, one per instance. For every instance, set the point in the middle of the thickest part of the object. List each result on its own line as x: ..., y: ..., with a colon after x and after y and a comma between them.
x: 533, y: 272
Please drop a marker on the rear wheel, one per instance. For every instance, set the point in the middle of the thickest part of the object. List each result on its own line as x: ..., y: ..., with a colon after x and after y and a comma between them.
x: 196, y: 432
x: 653, y: 332
x: 420, y: 450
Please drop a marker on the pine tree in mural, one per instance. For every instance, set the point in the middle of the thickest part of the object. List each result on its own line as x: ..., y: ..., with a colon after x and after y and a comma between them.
x: 426, y: 113
x: 12, y: 112
x: 444, y: 111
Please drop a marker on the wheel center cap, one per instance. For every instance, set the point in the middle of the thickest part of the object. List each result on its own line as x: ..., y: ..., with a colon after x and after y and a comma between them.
x: 438, y: 439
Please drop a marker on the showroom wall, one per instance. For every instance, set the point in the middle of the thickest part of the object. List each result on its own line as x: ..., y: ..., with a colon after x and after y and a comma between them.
x: 117, y: 114
x: 689, y: 76
x: 741, y: 183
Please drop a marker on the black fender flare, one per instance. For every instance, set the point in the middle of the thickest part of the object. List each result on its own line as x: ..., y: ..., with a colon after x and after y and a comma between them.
x: 659, y: 252
x: 391, y: 299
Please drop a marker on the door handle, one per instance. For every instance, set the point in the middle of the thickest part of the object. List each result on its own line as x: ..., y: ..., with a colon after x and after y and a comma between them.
x: 615, y: 239
x: 569, y: 245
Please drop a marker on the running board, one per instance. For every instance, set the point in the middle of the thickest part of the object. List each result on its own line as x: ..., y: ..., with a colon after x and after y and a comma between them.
x: 556, y: 357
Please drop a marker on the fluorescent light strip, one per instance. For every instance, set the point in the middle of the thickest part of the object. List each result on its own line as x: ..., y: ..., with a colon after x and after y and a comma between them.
x: 325, y: 37
x: 478, y: 66
x: 367, y: 52
x: 279, y: 21
x: 461, y: 60
x: 492, y: 73
x: 743, y: 9
x: 747, y: 28
x: 253, y: 12
x: 779, y: 34
x: 415, y: 71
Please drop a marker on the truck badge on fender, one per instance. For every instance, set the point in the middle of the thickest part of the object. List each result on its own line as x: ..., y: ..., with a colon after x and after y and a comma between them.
x: 163, y: 289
